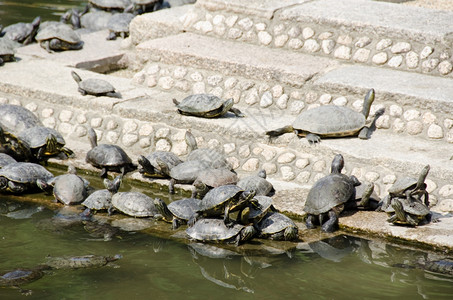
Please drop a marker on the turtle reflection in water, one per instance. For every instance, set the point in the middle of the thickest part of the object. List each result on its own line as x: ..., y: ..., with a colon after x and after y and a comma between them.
x: 22, y: 276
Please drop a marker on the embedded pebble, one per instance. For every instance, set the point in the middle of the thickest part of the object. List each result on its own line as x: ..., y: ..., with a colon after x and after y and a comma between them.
x: 81, y: 118
x: 244, y: 151
x: 162, y: 132
x: 179, y: 72
x: 401, y: 47
x: 234, y: 93
x: 231, y: 20
x: 217, y: 91
x: 445, y: 67
x: 146, y: 129
x: 163, y: 145
x: 380, y: 58
x: 383, y: 122
x: 246, y: 24
x: 264, y: 37
x: 430, y: 64
x: 325, y: 99
x: 218, y: 19
x: 268, y: 154
x: 47, y: 112
x: 270, y: 168
x: 325, y: 35
x: 179, y: 148
x: 344, y: 40
x: 302, y: 163
x: 112, y: 124
x: 287, y: 173
x: 448, y: 123
x: 296, y: 95
x: 128, y: 127
x: 389, y: 179
x: 234, y: 162
x: 340, y: 101
x: 372, y: 176
x: 327, y: 46
x: 257, y: 150
x: 395, y: 61
x: 444, y: 55
x: 199, y: 88
x: 80, y: 131
x: 65, y: 128
x: 430, y: 185
x: 414, y: 127
x: 182, y: 85
x: 279, y: 29
x: 129, y: 139
x: 295, y: 44
x: 203, y: 26
x: 214, y: 80
x: 230, y: 83
x: 383, y: 44
x: 361, y: 55
x: 96, y: 122
x: 294, y: 31
x: 429, y: 118
x: 446, y: 190
x: 234, y: 33
x: 343, y: 52
x: 395, y: 110
x: 446, y: 205
x: 435, y: 131
x: 398, y: 125
x: 266, y: 100
x: 65, y: 115
x: 311, y: 45
x: 280, y: 40
x: 260, y: 26
x: 32, y: 107
x: 412, y: 60
x: 303, y: 177
x: 112, y: 137
x: 363, y: 42
x: 319, y: 166
x: 213, y: 143
x: 286, y: 158
x: 144, y: 142
x: 296, y: 107
x: 151, y: 81
x: 411, y: 114
x: 251, y: 165
x: 311, y: 97
x: 427, y: 51
x: 277, y: 91
x: 308, y: 33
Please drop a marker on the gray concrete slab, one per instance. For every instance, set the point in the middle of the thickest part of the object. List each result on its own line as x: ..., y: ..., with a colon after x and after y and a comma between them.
x: 97, y: 54
x: 374, y: 17
x: 234, y: 58
x: 429, y: 92
x: 261, y: 8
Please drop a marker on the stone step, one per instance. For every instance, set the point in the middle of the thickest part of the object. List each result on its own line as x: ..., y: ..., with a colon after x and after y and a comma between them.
x: 261, y: 78
x: 357, y: 31
x: 145, y: 120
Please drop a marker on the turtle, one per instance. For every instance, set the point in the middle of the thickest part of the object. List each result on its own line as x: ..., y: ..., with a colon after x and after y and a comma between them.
x: 134, y: 204
x: 257, y: 183
x: 18, y: 277
x: 222, y: 200
x: 142, y: 6
x: 253, y: 214
x: 408, y: 187
x: 95, y: 20
x: 78, y: 262
x: 59, y: 37
x: 408, y: 212
x: 150, y: 167
x: 102, y: 199
x: 5, y: 159
x: 7, y: 51
x: 43, y: 142
x: 94, y: 86
x: 277, y: 226
x: 20, y: 177
x: 177, y: 212
x: 185, y: 172
x: 328, y: 196
x: 23, y: 33
x: 214, y: 230
x: 108, y: 157
x: 67, y: 188
x: 110, y: 5
x: 365, y: 198
x: 118, y: 25
x: 73, y: 16
x: 206, y: 106
x: 14, y: 119
x: 329, y: 121
x: 211, y: 178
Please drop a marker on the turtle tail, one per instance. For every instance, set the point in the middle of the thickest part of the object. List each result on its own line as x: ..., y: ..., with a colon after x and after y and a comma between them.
x: 280, y: 131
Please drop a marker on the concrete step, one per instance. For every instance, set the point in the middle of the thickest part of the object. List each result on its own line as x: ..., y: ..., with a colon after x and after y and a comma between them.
x: 357, y: 31
x: 257, y: 77
x: 145, y: 120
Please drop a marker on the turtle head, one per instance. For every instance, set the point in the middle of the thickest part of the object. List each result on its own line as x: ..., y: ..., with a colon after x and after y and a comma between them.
x: 113, y: 185
x: 165, y: 168
x: 369, y: 98
x: 44, y: 185
x: 262, y: 173
x: 291, y: 233
x: 76, y: 77
x: 162, y: 208
x: 247, y: 233
x: 36, y: 22
x: 337, y: 164
x: 146, y: 166
x: 92, y: 137
x: 191, y: 141
x: 200, y: 189
x: 52, y: 146
x: 3, y: 183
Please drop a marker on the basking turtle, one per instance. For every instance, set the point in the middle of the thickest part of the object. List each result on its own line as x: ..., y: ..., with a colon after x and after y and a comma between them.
x: 134, y: 204
x: 150, y: 167
x: 95, y: 20
x: 78, y: 262
x: 102, y: 199
x: 409, y: 187
x: 365, y: 198
x: 408, y: 212
x: 21, y: 177
x: 222, y: 200
x: 19, y: 277
x: 257, y: 183
x: 277, y: 226
x: 59, y: 37
x: 14, y: 119
x: 94, y: 86
x: 327, y: 197
x: 210, y: 158
x: 329, y: 121
x: 253, y: 214
x: 67, y: 188
x: 108, y: 157
x: 185, y: 172
x: 22, y: 32
x: 6, y: 51
x: 214, y: 230
x: 177, y: 212
x: 143, y: 6
x: 110, y: 5
x: 43, y: 142
x: 206, y: 106
x: 5, y: 159
x: 118, y: 25
x: 212, y: 178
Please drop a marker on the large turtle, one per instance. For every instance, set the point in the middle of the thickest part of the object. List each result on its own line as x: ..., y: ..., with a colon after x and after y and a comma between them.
x: 5, y: 159
x: 20, y: 177
x: 185, y: 172
x: 118, y: 25
x: 59, y: 37
x: 22, y: 32
x: 110, y: 5
x: 14, y: 119
x: 177, y: 212
x: 108, y: 157
x: 257, y: 183
x: 327, y: 197
x: 134, y: 204
x: 212, y: 178
x: 408, y: 212
x: 102, y: 199
x: 95, y: 20
x: 222, y: 200
x: 150, y: 167
x: 206, y: 106
x: 214, y: 230
x: 210, y: 158
x: 276, y: 226
x: 78, y: 262
x: 329, y: 121
x: 21, y: 276
x: 94, y: 86
x: 254, y: 213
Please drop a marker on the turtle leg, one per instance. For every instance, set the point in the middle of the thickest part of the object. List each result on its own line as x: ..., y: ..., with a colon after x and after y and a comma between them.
x: 103, y: 173
x: 193, y: 219
x: 412, y: 221
x: 16, y: 187
x: 111, y: 36
x: 331, y: 223
x: 237, y: 112
x: 393, y: 218
x: 176, y: 223
x: 81, y: 91
x: 399, y: 211
x: 313, y: 138
x: 309, y: 222
x: 363, y: 133
x: 226, y: 217
x: 171, y: 186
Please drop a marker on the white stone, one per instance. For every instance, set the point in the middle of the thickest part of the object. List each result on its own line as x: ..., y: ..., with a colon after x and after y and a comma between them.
x: 65, y: 128
x: 444, y: 55
x: 361, y: 55
x: 199, y: 88
x: 296, y: 95
x: 251, y: 165
x: 446, y: 205
x: 363, y: 42
x: 319, y: 166
x: 129, y: 139
x: 244, y: 151
x: 252, y: 97
x: 311, y: 45
x: 144, y: 142
x: 340, y: 101
x: 151, y: 81
x: 234, y: 162
x: 277, y: 91
x: 112, y: 137
x: 220, y: 29
x: 182, y: 85
x: 263, y: 87
x: 15, y: 102
x: 163, y: 145
x: 446, y: 190
x: 264, y: 37
x: 179, y: 148
x: 80, y: 131
x: 246, y: 85
x: 203, y: 26
x: 257, y: 151
x: 295, y: 43
x: 325, y: 35
x: 427, y: 51
x: 180, y: 135
x: 260, y: 26
x: 32, y: 106
x: 234, y: 93
x: 430, y: 64
x: 279, y: 29
x: 308, y: 33
x: 448, y: 123
x: 412, y: 60
x: 47, y: 112
x: 218, y: 19
x: 214, y: 80
x: 65, y: 115
x: 162, y: 132
x: 286, y: 158
x: 401, y: 47
x: 411, y: 114
x: 372, y: 176
x: 230, y: 83
x: 435, y: 132
x: 282, y: 101
x: 395, y: 110
x: 81, y: 119
x: 294, y: 31
x: 96, y: 122
x: 303, y: 177
x: 395, y: 61
x: 380, y: 58
x: 229, y: 148
x: 343, y: 52
x: 414, y: 127
x: 213, y: 144
x: 445, y: 67
x: 357, y: 105
x: 139, y: 77
x: 268, y: 154
x: 280, y: 40
x: 152, y: 69
x: 270, y: 168
x: 450, y: 136
x: 3, y: 100
x: 196, y: 76
x: 311, y: 97
x: 112, y: 124
x: 129, y: 126
x: 179, y: 72
x: 266, y: 100
x: 146, y: 130
x: 325, y: 99
x: 231, y: 20
x: 389, y: 179
x: 301, y: 163
x: 234, y: 33
x: 383, y: 44
x: 344, y: 40
x: 246, y: 24
x: 217, y: 91
x: 287, y: 173
x: 383, y: 122
x: 429, y: 118
x: 398, y: 125
x: 296, y: 107
x: 327, y: 46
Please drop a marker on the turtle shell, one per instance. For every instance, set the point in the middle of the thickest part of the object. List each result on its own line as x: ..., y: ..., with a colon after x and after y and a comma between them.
x: 402, y: 184
x: 213, y: 230
x: 24, y: 172
x: 217, y: 177
x: 214, y: 200
x: 329, y: 121
x: 95, y: 20
x: 20, y: 31
x: 200, y: 104
x: 134, y: 204
x: 99, y: 200
x: 120, y: 22
x: 21, y: 276
x: 110, y: 4
x: 256, y: 183
x: 414, y: 208
x: 171, y: 159
x: 95, y: 86
x: 107, y: 155
x: 5, y: 159
x: 211, y: 158
x: 328, y: 192
x: 60, y: 31
x: 187, y: 171
x: 273, y: 224
x: 69, y: 189
x: 183, y: 209
x: 6, y: 51
x: 265, y: 203
x: 14, y: 119
x: 36, y: 136
x: 144, y: 2
x: 77, y: 262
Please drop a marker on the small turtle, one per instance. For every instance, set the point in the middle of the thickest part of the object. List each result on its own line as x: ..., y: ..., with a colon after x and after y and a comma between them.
x: 257, y: 183
x: 6, y: 51
x: 206, y: 106
x: 212, y: 178
x: 5, y: 159
x: 59, y: 37
x: 253, y: 214
x: 108, y: 157
x: 329, y: 121
x: 20, y: 177
x: 43, y: 142
x: 177, y: 212
x: 210, y: 158
x: 118, y: 25
x: 222, y: 200
x: 365, y: 198
x: 408, y: 212
x: 14, y: 119
x: 22, y: 32
x: 102, y: 199
x: 78, y: 262
x: 21, y: 276
x: 94, y: 86
x: 214, y: 230
x: 185, y: 172
x: 277, y: 226
x: 67, y: 188
x: 134, y: 204
x: 95, y: 20
x: 150, y: 167
x: 328, y: 196
x: 110, y: 5
x: 143, y: 6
